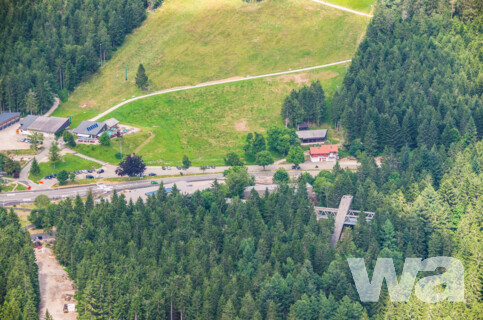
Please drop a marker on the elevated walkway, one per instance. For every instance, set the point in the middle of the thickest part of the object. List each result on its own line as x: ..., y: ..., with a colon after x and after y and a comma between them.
x: 342, y: 215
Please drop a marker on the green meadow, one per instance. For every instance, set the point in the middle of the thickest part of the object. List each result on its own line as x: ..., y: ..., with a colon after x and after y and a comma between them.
x: 206, y: 123
x: 186, y: 42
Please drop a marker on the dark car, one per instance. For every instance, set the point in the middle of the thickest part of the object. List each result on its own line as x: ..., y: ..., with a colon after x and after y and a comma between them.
x: 178, y: 167
x: 90, y: 170
x: 152, y: 174
x: 89, y: 176
x: 164, y: 168
x: 213, y: 167
x: 294, y: 167
x: 100, y: 171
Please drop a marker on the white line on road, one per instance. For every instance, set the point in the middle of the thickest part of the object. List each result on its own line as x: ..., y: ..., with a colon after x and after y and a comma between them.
x: 343, y: 8
x: 212, y: 83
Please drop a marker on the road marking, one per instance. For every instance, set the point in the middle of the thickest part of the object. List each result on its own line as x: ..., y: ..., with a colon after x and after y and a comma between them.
x: 344, y: 8
x: 214, y: 83
x: 28, y: 199
x: 11, y: 195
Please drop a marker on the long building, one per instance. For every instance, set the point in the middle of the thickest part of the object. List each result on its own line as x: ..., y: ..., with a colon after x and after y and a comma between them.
x: 45, y: 125
x: 8, y: 118
x: 312, y: 136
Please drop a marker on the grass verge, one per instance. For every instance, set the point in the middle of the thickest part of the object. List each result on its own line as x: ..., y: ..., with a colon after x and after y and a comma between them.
x: 69, y: 163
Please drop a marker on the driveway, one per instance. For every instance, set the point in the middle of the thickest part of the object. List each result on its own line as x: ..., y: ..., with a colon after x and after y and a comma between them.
x: 11, y: 140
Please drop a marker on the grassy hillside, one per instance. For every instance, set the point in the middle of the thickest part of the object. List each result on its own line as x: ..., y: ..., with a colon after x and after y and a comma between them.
x: 360, y: 5
x: 189, y: 41
x: 206, y: 123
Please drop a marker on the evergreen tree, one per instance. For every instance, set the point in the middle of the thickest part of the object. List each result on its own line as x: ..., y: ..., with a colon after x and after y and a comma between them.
x: 35, y: 169
x: 370, y: 139
x: 31, y: 103
x: 141, y: 77
x: 54, y: 155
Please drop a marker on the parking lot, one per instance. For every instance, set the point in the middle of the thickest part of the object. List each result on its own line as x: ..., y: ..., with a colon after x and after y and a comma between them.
x: 11, y: 140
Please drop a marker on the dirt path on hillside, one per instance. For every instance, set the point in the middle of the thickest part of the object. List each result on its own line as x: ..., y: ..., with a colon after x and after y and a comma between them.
x: 145, y: 142
x: 55, y: 286
x: 212, y: 83
x: 369, y: 15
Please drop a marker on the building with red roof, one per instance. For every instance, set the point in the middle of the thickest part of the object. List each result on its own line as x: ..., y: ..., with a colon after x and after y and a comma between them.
x: 326, y: 152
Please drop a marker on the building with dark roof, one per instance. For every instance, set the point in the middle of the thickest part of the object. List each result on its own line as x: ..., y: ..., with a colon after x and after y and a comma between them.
x: 27, y: 121
x: 312, y: 136
x: 45, y: 125
x: 90, y: 129
x: 8, y: 118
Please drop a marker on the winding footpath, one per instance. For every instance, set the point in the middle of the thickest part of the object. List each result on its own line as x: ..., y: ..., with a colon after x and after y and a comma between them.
x: 213, y: 83
x: 237, y: 79
x: 344, y: 8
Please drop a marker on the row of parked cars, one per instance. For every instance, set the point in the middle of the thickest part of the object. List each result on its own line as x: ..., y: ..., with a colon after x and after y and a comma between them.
x: 28, y: 141
x: 88, y: 176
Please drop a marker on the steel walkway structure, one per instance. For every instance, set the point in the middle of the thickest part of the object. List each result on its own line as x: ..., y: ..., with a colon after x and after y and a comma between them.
x: 343, y: 215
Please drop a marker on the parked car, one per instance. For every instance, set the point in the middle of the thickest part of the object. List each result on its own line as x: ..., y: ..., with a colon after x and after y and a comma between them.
x: 152, y: 174
x: 100, y: 171
x: 90, y: 170
x: 178, y: 167
x: 89, y: 176
x: 98, y: 176
x: 169, y: 168
x: 164, y: 168
x: 213, y: 167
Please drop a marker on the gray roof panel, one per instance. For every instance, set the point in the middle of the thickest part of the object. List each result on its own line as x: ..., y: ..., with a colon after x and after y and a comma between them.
x: 90, y: 128
x: 8, y: 115
x: 312, y: 134
x: 49, y: 124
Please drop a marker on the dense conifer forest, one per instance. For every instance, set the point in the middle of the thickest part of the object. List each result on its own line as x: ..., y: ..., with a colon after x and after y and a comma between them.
x: 48, y: 47
x: 413, y: 95
x: 197, y: 257
x: 417, y: 78
x: 19, y: 286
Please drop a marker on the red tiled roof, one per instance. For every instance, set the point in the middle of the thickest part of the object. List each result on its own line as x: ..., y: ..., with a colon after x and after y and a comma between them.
x: 324, y: 149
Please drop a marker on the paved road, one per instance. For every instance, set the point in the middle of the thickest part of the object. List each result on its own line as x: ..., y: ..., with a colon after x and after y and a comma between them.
x: 212, y: 83
x: 24, y: 174
x: 12, y: 198
x: 344, y: 8
x: 53, y: 108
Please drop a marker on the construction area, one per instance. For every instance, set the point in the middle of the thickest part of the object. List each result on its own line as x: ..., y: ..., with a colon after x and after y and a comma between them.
x: 56, y: 289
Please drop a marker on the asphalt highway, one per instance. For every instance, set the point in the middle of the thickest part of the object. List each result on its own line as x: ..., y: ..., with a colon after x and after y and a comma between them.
x: 11, y: 198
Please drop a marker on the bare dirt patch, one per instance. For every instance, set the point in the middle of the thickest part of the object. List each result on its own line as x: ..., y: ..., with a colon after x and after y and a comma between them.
x: 241, y: 125
x: 56, y: 289
x: 10, y: 140
x: 89, y: 104
x: 304, y: 78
